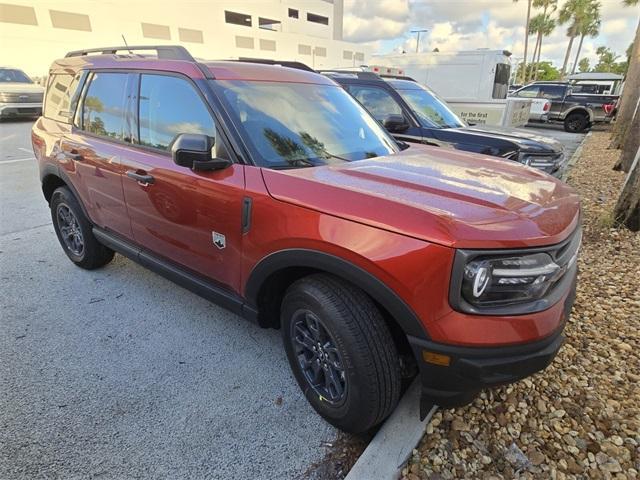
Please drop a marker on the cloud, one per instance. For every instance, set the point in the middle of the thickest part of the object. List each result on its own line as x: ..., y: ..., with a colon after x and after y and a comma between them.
x: 470, y: 24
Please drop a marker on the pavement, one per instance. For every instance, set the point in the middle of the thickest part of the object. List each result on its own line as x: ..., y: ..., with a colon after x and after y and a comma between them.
x: 119, y: 373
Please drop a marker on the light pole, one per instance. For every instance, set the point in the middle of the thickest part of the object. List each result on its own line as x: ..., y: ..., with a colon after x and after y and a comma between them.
x: 418, y: 39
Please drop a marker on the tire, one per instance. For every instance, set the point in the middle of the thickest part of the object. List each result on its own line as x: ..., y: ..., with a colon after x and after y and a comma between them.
x: 576, y: 122
x: 356, y: 339
x: 74, y: 232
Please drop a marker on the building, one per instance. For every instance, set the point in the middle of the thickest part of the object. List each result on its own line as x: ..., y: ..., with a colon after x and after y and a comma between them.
x: 34, y: 32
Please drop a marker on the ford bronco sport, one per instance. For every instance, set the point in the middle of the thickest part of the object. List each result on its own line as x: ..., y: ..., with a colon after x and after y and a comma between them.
x: 272, y: 192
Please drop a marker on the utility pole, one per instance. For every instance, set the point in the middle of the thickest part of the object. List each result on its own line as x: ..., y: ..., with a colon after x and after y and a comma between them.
x: 418, y: 39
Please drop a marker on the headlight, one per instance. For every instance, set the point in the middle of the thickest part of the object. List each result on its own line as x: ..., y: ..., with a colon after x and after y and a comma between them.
x: 540, y: 161
x: 514, y: 281
x: 503, y: 281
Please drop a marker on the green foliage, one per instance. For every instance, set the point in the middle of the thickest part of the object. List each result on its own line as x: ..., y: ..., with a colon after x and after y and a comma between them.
x: 607, y: 61
x: 583, y: 65
x: 546, y: 71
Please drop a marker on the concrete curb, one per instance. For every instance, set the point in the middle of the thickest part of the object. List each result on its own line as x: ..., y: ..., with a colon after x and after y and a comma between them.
x: 392, y: 445
x: 574, y: 158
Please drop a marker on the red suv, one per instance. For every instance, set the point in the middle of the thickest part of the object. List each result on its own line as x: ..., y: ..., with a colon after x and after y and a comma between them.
x: 270, y: 191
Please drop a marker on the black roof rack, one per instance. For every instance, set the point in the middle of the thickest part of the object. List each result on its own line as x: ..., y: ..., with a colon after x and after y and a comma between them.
x: 167, y: 52
x: 282, y: 63
x: 352, y: 73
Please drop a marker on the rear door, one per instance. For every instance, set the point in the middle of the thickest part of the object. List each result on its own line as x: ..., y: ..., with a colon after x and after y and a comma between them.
x: 190, y: 218
x: 91, y: 152
x: 555, y: 94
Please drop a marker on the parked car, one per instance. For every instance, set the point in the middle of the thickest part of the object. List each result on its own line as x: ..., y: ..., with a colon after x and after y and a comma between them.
x: 575, y: 109
x: 272, y: 192
x: 19, y: 96
x: 414, y: 113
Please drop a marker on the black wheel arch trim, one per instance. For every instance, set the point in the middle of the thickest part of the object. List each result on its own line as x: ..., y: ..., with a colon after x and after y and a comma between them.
x: 53, y: 170
x: 370, y: 284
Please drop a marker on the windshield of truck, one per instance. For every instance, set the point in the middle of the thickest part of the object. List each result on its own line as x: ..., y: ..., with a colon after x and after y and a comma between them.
x: 11, y: 75
x: 293, y: 125
x: 430, y: 110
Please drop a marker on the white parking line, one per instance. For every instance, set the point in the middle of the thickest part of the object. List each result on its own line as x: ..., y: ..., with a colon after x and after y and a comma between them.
x: 16, y: 160
x: 25, y: 150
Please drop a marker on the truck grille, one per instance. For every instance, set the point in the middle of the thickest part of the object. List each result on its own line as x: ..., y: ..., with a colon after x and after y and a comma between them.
x: 21, y: 97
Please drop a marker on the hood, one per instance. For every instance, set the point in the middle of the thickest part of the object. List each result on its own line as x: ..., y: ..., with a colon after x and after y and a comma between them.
x: 447, y: 197
x: 526, y: 140
x: 20, y: 87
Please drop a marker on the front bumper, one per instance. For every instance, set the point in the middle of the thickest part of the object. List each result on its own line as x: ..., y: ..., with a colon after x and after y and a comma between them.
x: 453, y: 376
x: 24, y: 110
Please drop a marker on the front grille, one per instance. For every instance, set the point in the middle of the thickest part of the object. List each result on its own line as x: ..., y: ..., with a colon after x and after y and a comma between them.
x: 21, y: 97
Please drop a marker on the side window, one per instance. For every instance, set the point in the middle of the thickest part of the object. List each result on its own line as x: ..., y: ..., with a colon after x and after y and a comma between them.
x: 58, y: 104
x: 553, y: 92
x: 103, y: 106
x: 529, y: 92
x: 379, y: 102
x: 169, y: 106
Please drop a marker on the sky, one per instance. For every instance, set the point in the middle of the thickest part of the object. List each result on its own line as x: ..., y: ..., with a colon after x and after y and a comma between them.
x: 469, y: 24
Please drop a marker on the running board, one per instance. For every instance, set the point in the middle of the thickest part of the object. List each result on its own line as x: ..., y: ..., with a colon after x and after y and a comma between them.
x: 190, y: 280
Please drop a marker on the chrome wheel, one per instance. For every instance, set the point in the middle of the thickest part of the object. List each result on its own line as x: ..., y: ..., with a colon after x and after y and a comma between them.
x: 318, y: 357
x: 70, y: 230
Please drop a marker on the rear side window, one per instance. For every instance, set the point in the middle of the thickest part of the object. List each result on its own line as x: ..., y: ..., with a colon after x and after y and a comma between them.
x: 552, y: 92
x: 529, y: 92
x: 170, y: 106
x: 378, y: 101
x: 501, y: 80
x: 61, y: 97
x: 104, y: 105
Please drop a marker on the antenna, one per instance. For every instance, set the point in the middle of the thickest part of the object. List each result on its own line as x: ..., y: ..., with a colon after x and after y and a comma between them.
x: 126, y: 44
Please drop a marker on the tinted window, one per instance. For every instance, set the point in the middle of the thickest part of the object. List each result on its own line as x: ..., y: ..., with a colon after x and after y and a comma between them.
x: 501, y: 80
x: 529, y: 92
x: 379, y: 102
x: 103, y: 105
x: 60, y: 94
x: 8, y: 75
x: 169, y: 106
x: 430, y: 110
x: 298, y: 125
x: 552, y: 92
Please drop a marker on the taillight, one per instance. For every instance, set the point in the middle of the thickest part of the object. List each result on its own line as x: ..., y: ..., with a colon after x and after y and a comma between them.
x: 608, y: 108
x: 546, y: 107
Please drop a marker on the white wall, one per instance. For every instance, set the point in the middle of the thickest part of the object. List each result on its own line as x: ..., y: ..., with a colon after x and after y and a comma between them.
x: 34, y: 47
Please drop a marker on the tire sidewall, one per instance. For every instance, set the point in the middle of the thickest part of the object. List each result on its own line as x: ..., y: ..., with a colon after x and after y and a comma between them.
x: 63, y: 197
x: 582, y: 125
x: 338, y: 415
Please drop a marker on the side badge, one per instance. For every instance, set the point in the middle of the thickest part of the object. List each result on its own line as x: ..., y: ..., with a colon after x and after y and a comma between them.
x: 219, y: 240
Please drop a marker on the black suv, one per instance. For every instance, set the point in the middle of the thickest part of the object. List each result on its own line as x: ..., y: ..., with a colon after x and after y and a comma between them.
x: 414, y: 113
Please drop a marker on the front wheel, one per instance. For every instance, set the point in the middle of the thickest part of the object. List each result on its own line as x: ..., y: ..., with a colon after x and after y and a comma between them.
x: 341, y: 352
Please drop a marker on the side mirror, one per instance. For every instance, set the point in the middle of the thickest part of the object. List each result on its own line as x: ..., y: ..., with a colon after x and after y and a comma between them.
x: 395, y: 123
x: 194, y: 150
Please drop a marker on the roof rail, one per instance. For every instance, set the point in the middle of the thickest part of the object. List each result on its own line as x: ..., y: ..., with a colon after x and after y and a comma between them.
x: 351, y: 73
x: 399, y: 77
x: 282, y: 63
x: 167, y: 52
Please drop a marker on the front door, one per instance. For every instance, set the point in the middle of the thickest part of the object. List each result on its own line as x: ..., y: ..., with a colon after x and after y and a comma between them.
x: 190, y: 218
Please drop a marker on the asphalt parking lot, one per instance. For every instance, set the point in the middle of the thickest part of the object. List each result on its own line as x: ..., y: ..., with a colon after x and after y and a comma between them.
x: 571, y: 141
x: 119, y: 373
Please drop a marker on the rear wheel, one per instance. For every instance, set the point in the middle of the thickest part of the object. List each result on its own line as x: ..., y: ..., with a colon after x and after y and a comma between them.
x: 576, y: 122
x: 341, y: 352
x: 74, y: 232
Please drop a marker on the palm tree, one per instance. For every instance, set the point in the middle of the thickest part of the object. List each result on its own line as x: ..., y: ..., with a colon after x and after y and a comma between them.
x: 590, y: 26
x: 543, y: 25
x: 526, y: 40
x: 576, y: 12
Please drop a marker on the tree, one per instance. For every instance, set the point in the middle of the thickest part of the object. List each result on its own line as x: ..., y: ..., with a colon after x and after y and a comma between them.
x: 526, y: 40
x: 628, y: 101
x: 576, y: 13
x: 542, y: 25
x: 606, y: 60
x: 627, y: 210
x: 545, y: 71
x: 590, y: 26
x: 583, y: 65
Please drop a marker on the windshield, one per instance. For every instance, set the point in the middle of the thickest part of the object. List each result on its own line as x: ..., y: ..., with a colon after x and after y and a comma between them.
x: 297, y: 125
x: 431, y: 111
x: 8, y: 75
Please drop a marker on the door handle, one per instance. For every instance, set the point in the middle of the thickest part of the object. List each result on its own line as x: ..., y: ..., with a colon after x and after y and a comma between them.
x: 143, y: 179
x: 75, y: 155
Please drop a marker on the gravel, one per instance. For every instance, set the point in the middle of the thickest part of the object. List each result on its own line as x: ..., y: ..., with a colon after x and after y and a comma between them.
x: 580, y: 418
